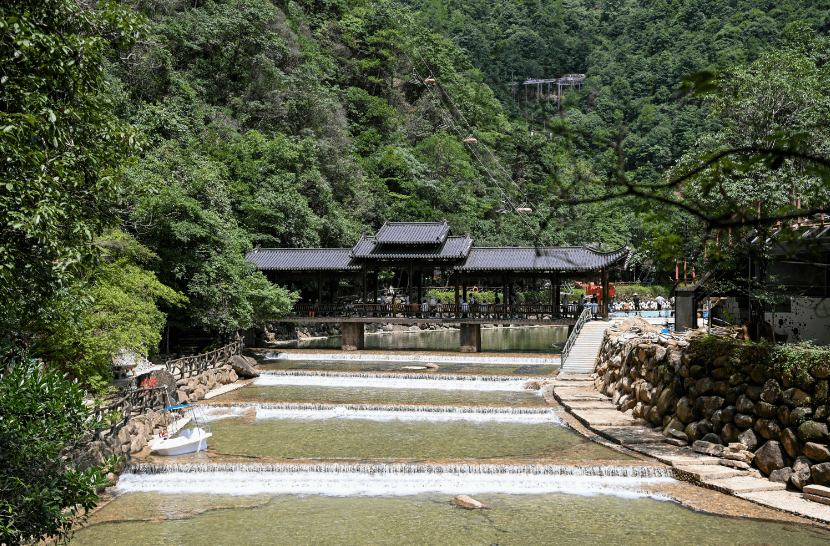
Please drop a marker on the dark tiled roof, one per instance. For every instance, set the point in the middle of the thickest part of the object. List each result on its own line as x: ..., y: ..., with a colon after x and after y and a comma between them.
x: 453, y: 248
x: 413, y: 233
x: 568, y: 258
x: 303, y: 259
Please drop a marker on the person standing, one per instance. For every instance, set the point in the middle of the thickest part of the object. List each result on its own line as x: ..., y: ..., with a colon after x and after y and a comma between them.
x: 659, y: 300
x: 637, y: 304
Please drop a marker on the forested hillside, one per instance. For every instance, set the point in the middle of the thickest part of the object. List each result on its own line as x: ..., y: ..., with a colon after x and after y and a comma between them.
x: 220, y: 125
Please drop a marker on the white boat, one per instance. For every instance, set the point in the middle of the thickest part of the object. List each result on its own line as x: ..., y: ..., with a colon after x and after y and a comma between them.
x: 191, y: 440
x: 188, y: 441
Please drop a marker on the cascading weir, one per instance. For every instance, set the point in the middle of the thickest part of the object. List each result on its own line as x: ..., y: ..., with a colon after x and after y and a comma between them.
x: 392, y: 479
x: 398, y: 381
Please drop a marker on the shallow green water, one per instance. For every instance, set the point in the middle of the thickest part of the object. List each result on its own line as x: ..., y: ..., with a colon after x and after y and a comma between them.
x: 370, y: 395
x: 345, y: 438
x: 534, y: 370
x: 533, y: 339
x: 429, y: 519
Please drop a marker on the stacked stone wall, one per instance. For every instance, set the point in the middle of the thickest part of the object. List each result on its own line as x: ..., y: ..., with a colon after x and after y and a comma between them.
x: 749, y: 413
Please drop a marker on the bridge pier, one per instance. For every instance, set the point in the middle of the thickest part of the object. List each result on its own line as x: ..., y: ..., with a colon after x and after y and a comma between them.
x: 352, y: 338
x: 470, y: 338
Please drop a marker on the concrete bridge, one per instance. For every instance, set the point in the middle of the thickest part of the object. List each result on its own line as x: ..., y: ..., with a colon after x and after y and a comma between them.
x: 469, y: 317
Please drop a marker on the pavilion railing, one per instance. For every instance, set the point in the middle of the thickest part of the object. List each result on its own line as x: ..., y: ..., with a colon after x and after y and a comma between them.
x: 482, y: 311
x: 584, y: 317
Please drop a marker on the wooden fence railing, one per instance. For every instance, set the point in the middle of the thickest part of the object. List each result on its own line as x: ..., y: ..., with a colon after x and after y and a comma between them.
x: 190, y: 366
x: 109, y: 419
x: 439, y: 310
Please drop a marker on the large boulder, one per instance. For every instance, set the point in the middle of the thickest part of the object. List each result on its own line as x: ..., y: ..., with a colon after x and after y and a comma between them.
x: 792, y: 445
x: 765, y: 410
x: 800, y: 415
x: 782, y: 475
x: 685, y: 410
x: 770, y: 457
x: 810, y: 431
x: 795, y: 397
x: 771, y: 392
x: 711, y: 404
x: 821, y: 473
x: 816, y: 452
x: 744, y: 404
x: 161, y: 378
x: 749, y: 439
x: 768, y: 428
x: 242, y: 367
x: 729, y: 433
x: 801, y: 472
x: 667, y: 402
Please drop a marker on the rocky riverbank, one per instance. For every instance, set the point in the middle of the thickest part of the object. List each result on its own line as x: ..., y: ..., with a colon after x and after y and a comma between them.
x: 721, y: 401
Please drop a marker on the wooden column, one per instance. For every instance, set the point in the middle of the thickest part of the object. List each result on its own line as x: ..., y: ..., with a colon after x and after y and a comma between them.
x: 375, y: 281
x: 604, y: 307
x: 411, y: 281
x: 420, y: 285
x: 455, y: 279
x: 319, y: 287
x: 352, y: 338
x: 470, y: 338
x: 335, y: 286
x: 365, y: 280
x: 557, y: 298
x: 504, y: 300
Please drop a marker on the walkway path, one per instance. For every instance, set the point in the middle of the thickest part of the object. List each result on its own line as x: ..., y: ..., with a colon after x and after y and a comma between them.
x: 585, y: 349
x: 576, y: 392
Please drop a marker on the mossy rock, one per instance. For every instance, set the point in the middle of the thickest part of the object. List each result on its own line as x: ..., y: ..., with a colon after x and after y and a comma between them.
x: 810, y: 431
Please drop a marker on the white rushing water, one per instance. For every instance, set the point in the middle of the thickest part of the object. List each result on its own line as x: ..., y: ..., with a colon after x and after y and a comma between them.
x: 383, y: 479
x: 397, y: 381
x: 386, y: 413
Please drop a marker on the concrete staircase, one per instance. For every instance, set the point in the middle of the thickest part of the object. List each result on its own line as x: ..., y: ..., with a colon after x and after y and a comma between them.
x: 586, y: 348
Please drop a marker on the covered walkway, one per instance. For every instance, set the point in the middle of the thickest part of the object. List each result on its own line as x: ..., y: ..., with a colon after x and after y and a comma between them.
x: 410, y: 253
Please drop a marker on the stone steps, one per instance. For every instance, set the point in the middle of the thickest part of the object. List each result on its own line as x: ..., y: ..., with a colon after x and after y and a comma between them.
x: 707, y: 472
x: 743, y: 484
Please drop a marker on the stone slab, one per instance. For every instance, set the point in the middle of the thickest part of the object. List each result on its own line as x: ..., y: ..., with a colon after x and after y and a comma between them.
x: 816, y: 498
x: 608, y: 418
x: 790, y: 502
x: 743, y: 484
x: 708, y: 472
x: 574, y: 378
x: 591, y: 404
x: 817, y: 490
x: 577, y: 395
x: 673, y: 455
x: 631, y: 435
x: 225, y: 389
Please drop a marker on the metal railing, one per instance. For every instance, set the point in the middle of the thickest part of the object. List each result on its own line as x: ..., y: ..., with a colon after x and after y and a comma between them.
x: 583, y: 318
x: 494, y: 311
x: 191, y: 366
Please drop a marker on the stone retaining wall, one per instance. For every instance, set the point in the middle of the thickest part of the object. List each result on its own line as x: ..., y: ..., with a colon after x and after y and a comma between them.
x: 747, y: 413
x: 193, y: 389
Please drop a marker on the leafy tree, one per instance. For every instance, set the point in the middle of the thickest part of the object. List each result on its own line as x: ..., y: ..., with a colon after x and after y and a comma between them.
x: 61, y: 144
x: 41, y: 417
x: 112, y: 310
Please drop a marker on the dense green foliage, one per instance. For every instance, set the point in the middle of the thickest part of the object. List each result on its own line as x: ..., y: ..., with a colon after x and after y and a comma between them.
x: 41, y: 416
x: 61, y: 142
x: 306, y: 123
